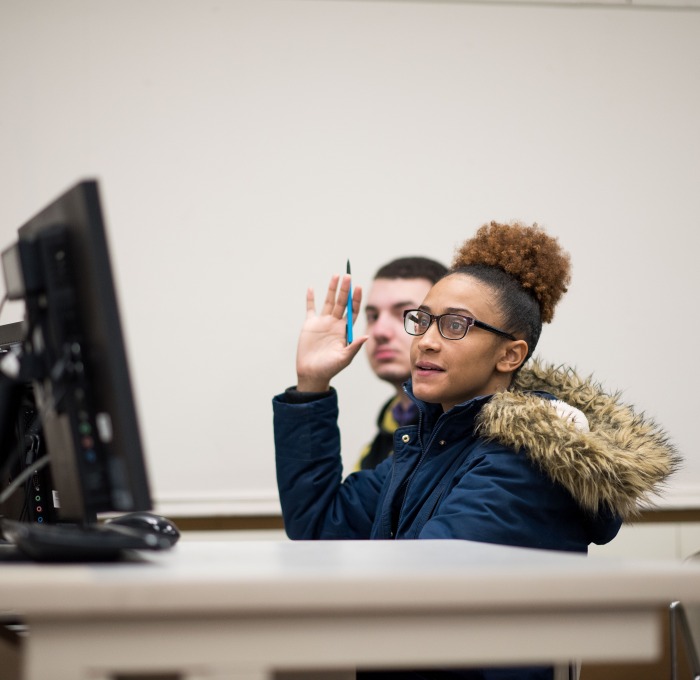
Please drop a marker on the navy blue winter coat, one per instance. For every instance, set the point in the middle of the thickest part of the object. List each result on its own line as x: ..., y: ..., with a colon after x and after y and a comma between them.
x: 443, y: 481
x: 501, y: 469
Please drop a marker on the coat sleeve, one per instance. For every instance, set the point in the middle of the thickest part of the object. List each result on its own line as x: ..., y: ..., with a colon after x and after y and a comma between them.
x: 316, y: 502
x: 501, y: 497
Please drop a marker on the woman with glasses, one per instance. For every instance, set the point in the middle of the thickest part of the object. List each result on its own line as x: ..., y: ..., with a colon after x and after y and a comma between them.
x: 491, y: 459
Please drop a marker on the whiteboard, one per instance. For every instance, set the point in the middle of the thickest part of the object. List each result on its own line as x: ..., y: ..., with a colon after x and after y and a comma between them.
x: 246, y: 148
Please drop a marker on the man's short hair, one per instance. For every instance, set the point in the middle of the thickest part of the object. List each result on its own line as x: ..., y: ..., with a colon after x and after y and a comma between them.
x: 412, y: 268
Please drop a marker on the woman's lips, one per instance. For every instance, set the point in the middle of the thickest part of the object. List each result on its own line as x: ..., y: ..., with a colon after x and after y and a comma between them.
x: 427, y: 368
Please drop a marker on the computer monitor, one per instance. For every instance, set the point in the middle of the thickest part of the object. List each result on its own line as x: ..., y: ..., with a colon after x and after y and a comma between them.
x: 73, y: 352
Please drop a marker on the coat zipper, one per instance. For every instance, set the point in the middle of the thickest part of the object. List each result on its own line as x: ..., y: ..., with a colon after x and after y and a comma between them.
x: 407, y: 483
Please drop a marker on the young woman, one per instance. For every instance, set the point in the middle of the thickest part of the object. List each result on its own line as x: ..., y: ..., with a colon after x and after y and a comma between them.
x: 490, y: 459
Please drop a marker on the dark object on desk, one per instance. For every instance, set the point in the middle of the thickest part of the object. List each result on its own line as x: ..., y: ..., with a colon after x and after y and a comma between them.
x: 73, y: 354
x: 22, y: 445
x: 148, y: 522
x: 9, y: 552
x: 73, y: 543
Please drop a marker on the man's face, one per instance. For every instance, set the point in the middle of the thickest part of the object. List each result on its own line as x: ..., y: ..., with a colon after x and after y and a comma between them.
x: 389, y: 345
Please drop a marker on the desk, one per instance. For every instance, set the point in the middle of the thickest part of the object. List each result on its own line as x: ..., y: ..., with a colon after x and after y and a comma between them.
x: 241, y: 609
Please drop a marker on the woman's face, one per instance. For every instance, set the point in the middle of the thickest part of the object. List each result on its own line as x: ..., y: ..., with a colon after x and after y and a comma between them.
x: 449, y: 372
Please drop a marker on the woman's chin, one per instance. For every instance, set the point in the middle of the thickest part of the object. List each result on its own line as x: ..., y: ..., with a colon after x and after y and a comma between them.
x: 424, y: 394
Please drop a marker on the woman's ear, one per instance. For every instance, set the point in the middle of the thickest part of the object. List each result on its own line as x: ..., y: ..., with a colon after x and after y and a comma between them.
x: 512, y: 356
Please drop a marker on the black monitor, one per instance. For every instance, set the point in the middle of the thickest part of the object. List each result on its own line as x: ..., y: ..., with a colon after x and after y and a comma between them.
x: 73, y: 353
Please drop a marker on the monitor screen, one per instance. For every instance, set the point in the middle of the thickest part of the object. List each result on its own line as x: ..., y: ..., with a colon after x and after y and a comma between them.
x: 73, y: 352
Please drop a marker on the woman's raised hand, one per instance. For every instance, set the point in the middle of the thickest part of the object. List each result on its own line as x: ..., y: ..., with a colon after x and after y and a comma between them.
x: 323, y: 350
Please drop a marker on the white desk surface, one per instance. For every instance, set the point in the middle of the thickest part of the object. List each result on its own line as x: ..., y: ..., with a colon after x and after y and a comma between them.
x: 319, y: 575
x: 245, y: 608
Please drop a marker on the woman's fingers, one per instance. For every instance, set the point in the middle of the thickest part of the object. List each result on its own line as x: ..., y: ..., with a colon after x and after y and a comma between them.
x: 356, y: 302
x: 342, y: 300
x: 329, y: 302
x: 336, y: 299
x: 310, y: 302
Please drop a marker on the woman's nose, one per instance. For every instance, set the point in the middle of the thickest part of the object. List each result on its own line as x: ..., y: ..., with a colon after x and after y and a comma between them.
x: 431, y: 339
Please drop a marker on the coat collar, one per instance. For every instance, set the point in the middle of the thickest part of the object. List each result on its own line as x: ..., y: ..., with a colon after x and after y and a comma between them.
x: 619, y: 466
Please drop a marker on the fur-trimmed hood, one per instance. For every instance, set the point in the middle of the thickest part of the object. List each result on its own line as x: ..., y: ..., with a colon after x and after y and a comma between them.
x: 620, y: 464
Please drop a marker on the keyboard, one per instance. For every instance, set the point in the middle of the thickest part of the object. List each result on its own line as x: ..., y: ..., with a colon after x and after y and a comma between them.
x: 78, y: 543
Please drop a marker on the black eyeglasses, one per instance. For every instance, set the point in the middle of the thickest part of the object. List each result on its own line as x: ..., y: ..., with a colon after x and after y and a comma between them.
x: 451, y: 326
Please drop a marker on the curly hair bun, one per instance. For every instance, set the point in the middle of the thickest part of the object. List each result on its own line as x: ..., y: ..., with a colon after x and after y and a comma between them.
x: 527, y: 253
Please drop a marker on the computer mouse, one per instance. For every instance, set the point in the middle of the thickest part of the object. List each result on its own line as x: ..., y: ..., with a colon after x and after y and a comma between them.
x: 149, y: 522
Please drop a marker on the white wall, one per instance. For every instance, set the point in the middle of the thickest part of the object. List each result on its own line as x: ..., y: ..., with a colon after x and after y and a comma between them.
x: 653, y: 540
x: 247, y: 148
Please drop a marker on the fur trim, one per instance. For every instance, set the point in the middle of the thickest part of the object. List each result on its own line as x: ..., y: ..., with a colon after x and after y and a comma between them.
x: 619, y: 465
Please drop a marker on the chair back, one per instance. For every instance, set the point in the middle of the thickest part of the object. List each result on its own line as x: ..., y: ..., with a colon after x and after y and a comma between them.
x: 684, y: 625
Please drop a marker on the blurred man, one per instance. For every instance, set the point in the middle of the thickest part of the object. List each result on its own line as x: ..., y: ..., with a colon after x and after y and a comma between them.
x: 400, y: 284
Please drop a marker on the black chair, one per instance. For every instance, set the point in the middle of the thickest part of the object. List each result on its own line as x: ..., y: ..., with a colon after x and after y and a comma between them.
x: 684, y: 629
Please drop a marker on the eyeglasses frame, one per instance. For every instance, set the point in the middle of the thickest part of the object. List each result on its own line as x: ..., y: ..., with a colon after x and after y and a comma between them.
x: 471, y: 321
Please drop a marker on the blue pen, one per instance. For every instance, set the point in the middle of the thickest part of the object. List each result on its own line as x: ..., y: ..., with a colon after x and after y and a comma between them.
x: 349, y: 316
